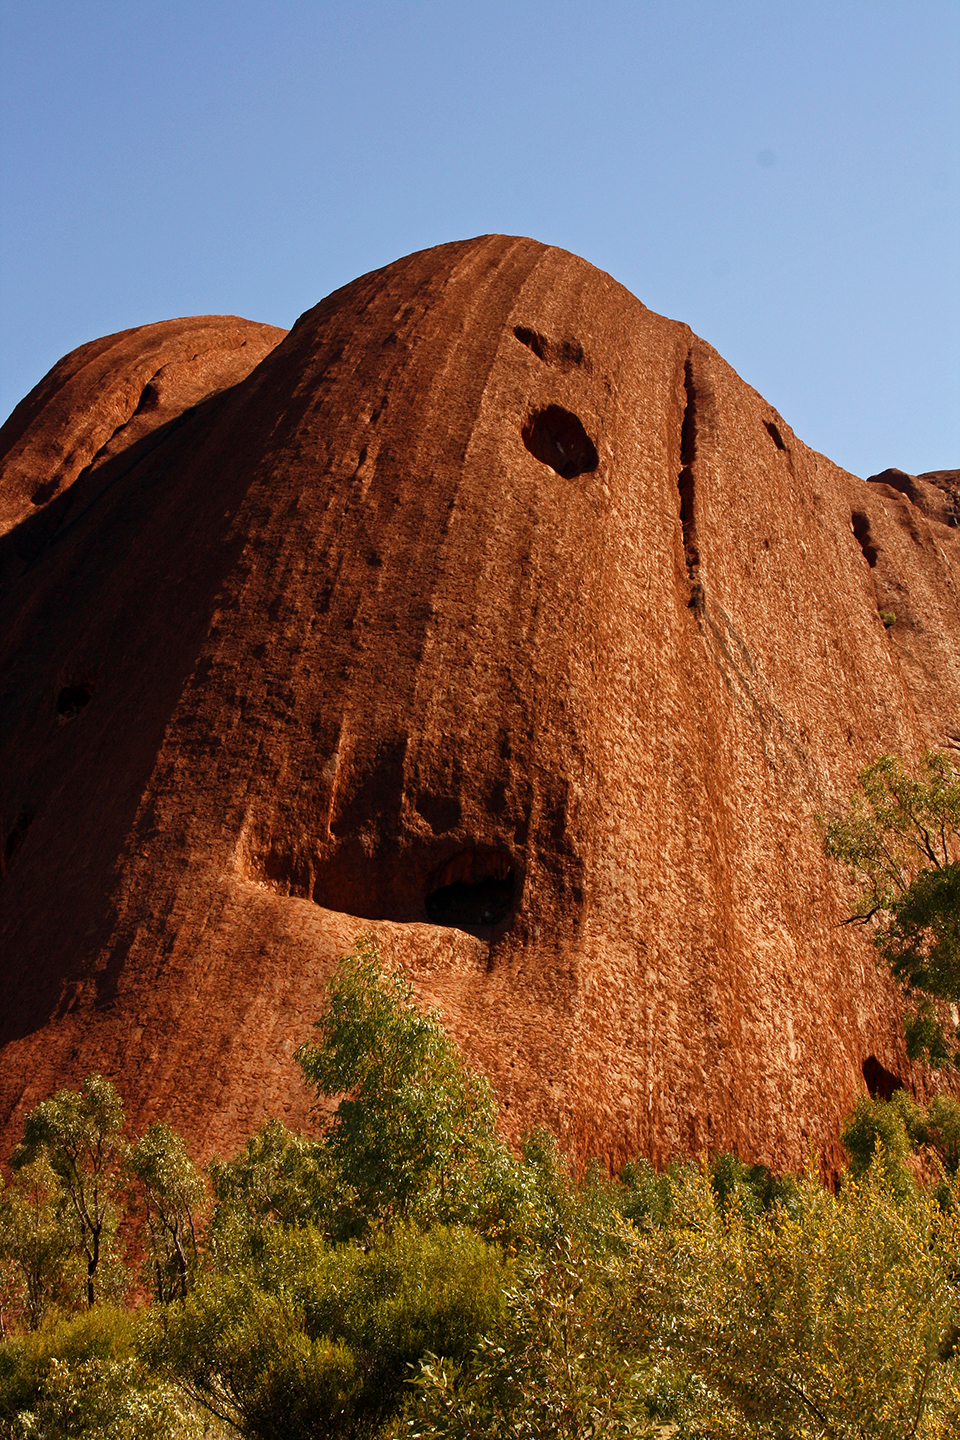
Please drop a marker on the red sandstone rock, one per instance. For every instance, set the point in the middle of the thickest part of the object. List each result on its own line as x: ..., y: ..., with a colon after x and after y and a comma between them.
x: 107, y: 395
x: 495, y: 614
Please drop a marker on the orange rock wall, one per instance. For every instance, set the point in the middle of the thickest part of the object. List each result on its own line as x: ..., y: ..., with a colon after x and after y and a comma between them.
x: 485, y: 587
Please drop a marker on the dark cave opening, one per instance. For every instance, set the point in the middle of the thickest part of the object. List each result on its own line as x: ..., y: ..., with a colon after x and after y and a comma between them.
x: 556, y: 437
x: 476, y: 890
x: 860, y: 525
x: 71, y: 700
x: 881, y: 1083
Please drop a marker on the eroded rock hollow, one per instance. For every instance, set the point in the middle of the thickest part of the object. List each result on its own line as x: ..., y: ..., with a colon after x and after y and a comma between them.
x: 493, y: 613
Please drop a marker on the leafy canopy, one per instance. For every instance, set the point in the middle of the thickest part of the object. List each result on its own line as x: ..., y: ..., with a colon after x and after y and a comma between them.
x: 900, y: 839
x: 413, y: 1133
x: 80, y: 1135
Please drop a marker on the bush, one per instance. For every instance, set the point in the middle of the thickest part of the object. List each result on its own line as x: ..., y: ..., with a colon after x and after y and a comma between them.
x: 82, y: 1377
x: 833, y: 1318
x: 317, y: 1340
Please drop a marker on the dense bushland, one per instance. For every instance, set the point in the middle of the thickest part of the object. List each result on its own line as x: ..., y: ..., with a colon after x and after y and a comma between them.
x: 404, y: 1274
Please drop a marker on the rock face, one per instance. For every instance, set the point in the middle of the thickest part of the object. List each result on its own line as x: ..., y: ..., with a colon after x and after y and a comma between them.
x: 490, y: 612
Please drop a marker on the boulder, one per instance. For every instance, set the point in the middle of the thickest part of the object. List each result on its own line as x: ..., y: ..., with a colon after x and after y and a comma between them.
x: 491, y: 613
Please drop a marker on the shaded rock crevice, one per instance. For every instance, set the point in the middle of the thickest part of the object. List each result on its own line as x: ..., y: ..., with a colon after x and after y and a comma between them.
x: 686, y: 485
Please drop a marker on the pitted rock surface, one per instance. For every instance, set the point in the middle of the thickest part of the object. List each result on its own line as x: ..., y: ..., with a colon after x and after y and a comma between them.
x: 492, y: 613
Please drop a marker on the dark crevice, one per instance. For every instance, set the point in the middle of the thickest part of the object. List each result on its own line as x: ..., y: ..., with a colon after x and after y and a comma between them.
x: 149, y: 400
x: 441, y: 812
x: 567, y: 354
x: 556, y: 437
x: 686, y: 484
x: 861, y: 529
x: 476, y: 890
x: 881, y: 1083
x: 22, y: 545
x: 775, y: 435
x: 897, y: 480
x: 532, y: 339
x: 46, y: 491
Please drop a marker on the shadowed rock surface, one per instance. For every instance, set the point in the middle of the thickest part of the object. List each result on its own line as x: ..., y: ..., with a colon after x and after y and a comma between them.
x: 491, y: 612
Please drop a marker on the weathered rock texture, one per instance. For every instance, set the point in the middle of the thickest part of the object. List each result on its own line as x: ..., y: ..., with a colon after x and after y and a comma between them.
x: 490, y: 612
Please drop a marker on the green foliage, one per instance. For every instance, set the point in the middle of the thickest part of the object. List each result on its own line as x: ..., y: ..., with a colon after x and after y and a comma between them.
x: 900, y: 839
x: 243, y: 1354
x: 885, y: 1133
x: 82, y: 1377
x: 827, y: 1320
x: 882, y: 1133
x: 406, y: 1275
x: 922, y: 940
x: 318, y: 1339
x: 413, y: 1133
x: 941, y: 1131
x: 754, y: 1189
x: 277, y: 1179
x: 38, y: 1269
x: 646, y: 1194
x: 80, y: 1135
x: 171, y: 1192
x: 553, y: 1368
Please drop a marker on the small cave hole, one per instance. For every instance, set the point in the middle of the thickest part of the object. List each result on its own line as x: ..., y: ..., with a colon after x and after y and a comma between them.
x: 881, y: 1083
x: 775, y: 435
x: 149, y: 398
x: 476, y: 890
x: 532, y: 339
x: 861, y: 529
x: 71, y: 700
x: 557, y: 438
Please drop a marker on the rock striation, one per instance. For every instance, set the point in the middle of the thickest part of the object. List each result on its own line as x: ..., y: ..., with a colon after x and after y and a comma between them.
x: 490, y: 612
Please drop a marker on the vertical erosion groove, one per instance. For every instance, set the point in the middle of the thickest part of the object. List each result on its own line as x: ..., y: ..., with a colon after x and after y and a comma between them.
x: 686, y: 485
x: 860, y: 525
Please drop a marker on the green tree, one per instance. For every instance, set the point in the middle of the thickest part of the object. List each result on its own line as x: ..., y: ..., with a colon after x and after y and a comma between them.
x: 37, y: 1245
x: 882, y: 1133
x: 81, y: 1377
x: 413, y: 1134
x: 553, y: 1367
x: 900, y: 839
x: 171, y: 1193
x: 278, y: 1178
x: 80, y: 1134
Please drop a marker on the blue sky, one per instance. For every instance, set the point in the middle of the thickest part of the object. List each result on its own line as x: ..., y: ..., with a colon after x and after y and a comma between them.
x: 784, y: 177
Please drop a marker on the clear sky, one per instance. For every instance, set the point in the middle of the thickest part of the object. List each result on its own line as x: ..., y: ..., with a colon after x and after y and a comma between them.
x: 783, y: 175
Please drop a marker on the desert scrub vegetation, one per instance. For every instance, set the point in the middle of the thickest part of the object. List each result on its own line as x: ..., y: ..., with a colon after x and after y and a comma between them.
x: 403, y: 1273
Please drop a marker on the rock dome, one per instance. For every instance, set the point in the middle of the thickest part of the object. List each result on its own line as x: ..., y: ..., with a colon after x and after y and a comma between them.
x: 492, y: 613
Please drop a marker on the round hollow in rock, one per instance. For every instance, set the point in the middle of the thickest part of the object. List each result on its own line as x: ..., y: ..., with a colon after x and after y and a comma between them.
x: 71, y: 700
x: 556, y: 437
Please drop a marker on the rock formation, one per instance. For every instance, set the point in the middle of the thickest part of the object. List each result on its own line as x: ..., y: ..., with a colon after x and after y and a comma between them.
x: 493, y: 613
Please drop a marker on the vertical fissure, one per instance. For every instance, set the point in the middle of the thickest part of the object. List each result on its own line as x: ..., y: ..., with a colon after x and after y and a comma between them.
x: 686, y: 484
